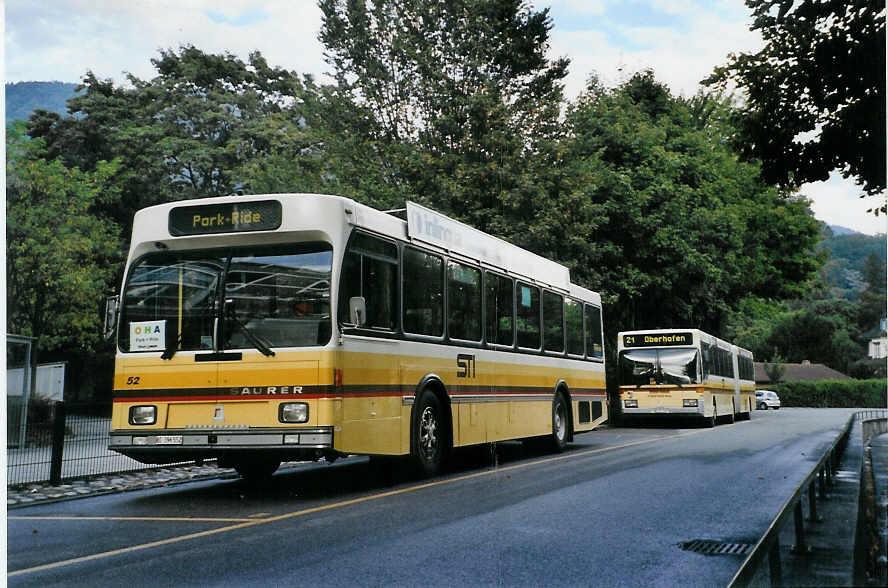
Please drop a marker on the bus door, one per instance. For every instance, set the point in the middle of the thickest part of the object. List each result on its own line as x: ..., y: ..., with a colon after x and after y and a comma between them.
x: 736, y: 381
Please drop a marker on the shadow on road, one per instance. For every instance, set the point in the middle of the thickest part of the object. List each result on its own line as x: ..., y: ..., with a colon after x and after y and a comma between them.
x: 344, y: 479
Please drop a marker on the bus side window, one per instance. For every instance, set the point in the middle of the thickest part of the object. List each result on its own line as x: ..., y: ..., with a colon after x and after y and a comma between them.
x: 573, y: 324
x: 594, y: 346
x: 528, y: 316
x: 370, y: 270
x: 707, y: 360
x: 500, y: 302
x: 423, y: 293
x: 463, y: 301
x: 553, y: 322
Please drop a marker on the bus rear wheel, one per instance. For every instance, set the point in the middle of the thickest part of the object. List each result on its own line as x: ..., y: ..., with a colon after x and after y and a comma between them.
x: 560, y: 423
x: 430, y: 441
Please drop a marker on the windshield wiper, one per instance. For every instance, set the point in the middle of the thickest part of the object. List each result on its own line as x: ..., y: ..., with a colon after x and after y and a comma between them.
x: 169, y: 352
x: 255, y: 339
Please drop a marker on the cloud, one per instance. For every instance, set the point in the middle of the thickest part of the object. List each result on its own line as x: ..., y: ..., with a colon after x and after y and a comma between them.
x: 837, y: 201
x: 61, y: 40
x: 243, y: 19
x: 681, y: 41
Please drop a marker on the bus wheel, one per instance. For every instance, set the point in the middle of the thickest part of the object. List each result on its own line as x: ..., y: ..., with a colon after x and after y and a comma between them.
x: 710, y: 422
x: 257, y: 470
x: 733, y: 416
x: 559, y: 423
x: 430, y: 438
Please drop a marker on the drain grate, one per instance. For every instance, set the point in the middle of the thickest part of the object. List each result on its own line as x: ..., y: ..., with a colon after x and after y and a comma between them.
x: 711, y: 547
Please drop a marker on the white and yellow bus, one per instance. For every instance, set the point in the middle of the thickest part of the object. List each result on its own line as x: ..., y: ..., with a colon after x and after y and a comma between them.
x: 261, y: 329
x: 684, y: 372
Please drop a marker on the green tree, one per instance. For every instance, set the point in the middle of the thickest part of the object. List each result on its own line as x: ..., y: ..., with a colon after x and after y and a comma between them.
x: 873, y: 299
x: 751, y: 321
x: 775, y: 368
x: 187, y: 133
x: 822, y: 331
x: 822, y: 71
x: 60, y: 257
x: 684, y: 231
x: 456, y: 97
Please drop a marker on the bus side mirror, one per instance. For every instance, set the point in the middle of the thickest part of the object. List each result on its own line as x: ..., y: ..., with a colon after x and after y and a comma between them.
x: 357, y: 310
x: 112, y: 305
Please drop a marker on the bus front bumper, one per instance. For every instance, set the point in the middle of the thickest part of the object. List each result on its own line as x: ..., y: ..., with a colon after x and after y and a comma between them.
x: 167, y: 446
x: 679, y: 411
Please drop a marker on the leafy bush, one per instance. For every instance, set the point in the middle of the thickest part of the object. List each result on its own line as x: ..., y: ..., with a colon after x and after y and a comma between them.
x: 833, y: 393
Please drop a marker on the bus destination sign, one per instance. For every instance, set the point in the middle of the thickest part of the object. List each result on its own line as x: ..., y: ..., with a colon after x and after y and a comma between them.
x: 235, y: 217
x: 658, y: 339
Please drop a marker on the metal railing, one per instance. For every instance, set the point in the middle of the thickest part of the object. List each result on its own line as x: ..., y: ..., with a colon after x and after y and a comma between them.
x: 65, y: 441
x: 821, y: 476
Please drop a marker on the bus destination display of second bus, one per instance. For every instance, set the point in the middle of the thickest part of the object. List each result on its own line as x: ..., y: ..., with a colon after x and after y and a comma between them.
x: 658, y: 339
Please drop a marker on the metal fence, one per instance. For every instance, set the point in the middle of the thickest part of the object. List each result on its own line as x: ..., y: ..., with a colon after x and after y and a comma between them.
x: 815, y: 487
x: 64, y: 441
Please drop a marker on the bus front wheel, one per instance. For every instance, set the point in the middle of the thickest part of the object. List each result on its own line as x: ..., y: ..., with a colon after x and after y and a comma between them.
x: 710, y: 422
x: 257, y: 470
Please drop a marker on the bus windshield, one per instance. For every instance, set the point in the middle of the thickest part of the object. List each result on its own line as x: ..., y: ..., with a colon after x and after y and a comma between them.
x: 212, y: 300
x: 639, y: 367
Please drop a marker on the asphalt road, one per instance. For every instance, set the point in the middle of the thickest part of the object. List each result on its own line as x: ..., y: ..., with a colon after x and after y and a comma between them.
x: 613, y: 510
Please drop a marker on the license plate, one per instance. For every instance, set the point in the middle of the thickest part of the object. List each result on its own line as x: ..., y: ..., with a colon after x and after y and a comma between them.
x: 169, y: 439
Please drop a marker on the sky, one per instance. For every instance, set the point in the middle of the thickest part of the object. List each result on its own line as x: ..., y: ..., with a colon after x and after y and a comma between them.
x: 680, y: 40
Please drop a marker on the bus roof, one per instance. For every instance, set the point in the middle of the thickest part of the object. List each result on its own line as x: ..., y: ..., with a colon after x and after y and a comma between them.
x: 301, y: 212
x: 696, y: 334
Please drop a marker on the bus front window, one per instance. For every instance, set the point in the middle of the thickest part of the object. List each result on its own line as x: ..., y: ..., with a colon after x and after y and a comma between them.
x: 280, y: 295
x: 678, y: 366
x: 638, y: 367
x: 175, y: 295
x: 283, y: 299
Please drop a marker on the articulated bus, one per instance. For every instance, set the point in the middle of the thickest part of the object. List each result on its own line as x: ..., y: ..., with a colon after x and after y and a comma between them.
x: 269, y: 328
x: 674, y: 372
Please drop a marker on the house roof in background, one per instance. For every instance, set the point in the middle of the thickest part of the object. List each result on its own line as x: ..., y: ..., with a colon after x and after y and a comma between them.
x: 800, y: 372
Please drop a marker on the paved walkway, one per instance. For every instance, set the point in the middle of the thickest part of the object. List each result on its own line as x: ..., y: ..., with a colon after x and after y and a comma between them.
x: 30, y: 494
x: 879, y: 451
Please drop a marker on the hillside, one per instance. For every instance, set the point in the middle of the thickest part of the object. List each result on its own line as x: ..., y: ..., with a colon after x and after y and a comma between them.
x: 23, y: 98
x: 848, y: 250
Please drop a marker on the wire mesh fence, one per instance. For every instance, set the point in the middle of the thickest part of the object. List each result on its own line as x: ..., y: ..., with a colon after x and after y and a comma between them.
x: 64, y: 441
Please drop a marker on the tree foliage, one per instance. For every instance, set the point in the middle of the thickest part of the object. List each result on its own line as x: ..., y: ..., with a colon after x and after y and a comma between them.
x: 457, y: 97
x: 184, y: 134
x: 684, y: 229
x: 59, y: 254
x: 432, y: 71
x: 452, y: 104
x: 873, y: 299
x: 821, y: 72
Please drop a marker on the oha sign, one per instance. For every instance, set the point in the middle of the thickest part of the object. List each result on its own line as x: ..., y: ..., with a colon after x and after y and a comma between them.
x: 148, y: 336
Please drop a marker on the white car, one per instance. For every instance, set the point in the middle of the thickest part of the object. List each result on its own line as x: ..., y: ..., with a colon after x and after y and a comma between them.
x: 765, y: 399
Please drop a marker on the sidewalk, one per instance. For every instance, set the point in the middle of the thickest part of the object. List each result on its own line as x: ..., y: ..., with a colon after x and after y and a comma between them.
x: 43, y: 492
x: 879, y: 452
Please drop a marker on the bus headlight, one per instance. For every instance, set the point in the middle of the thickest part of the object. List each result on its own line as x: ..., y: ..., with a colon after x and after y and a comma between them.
x: 293, y: 412
x: 142, y: 415
x: 630, y: 403
x: 689, y: 403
